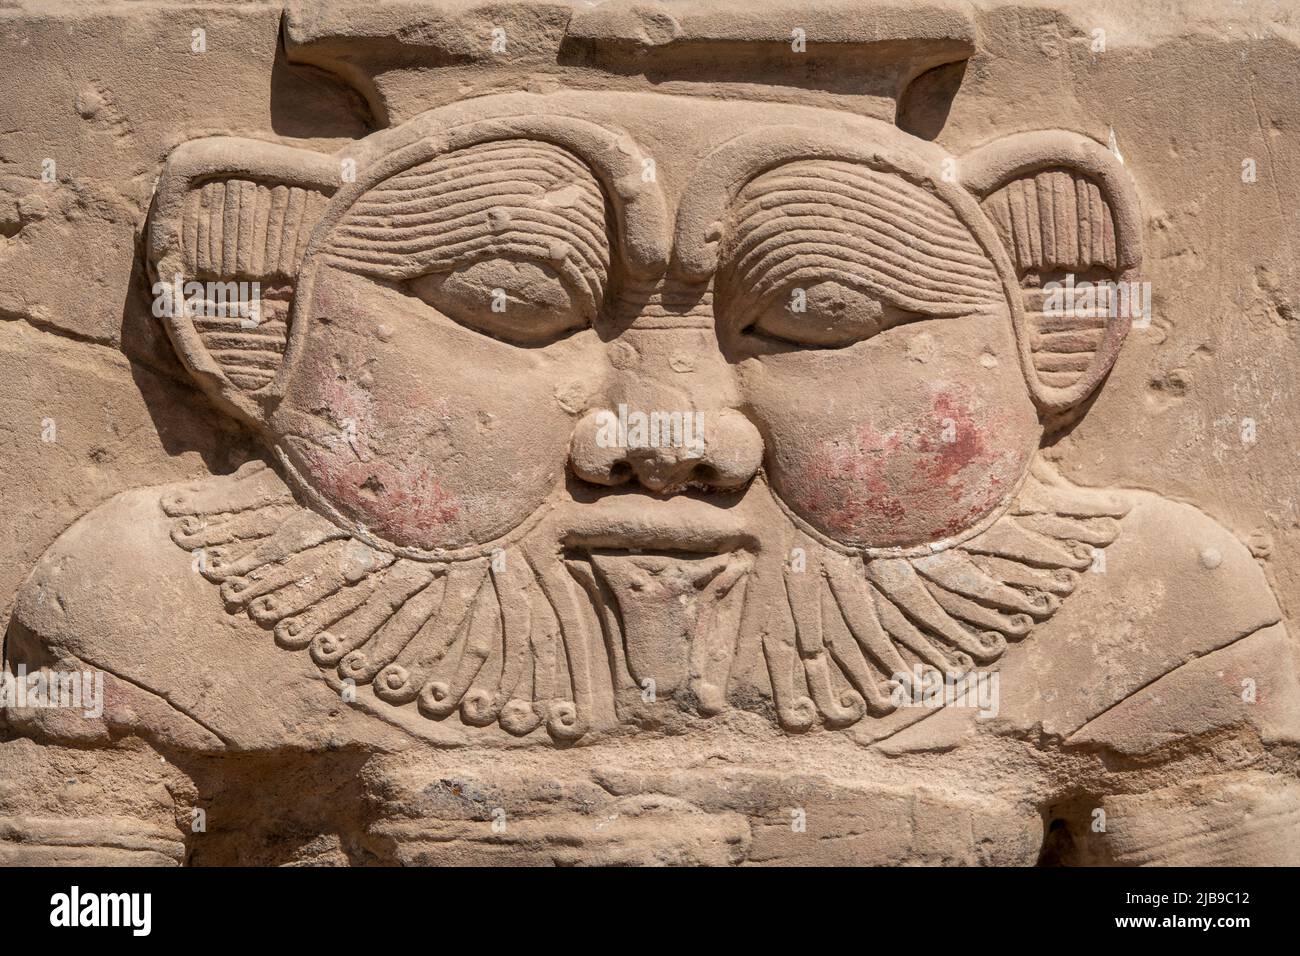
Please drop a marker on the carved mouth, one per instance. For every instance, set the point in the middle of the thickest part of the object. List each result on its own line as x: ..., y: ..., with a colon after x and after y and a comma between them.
x: 680, y: 523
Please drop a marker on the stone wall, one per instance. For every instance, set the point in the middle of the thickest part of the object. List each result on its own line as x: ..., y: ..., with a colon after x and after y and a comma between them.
x: 1103, y: 515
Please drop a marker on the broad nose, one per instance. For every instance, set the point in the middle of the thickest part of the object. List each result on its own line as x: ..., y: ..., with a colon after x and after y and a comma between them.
x: 670, y: 416
x: 662, y: 449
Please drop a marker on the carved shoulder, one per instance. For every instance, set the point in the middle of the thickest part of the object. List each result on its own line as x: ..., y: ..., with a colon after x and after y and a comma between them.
x: 1178, y: 595
x: 1153, y: 645
x: 111, y: 567
x: 1200, y: 563
x: 1224, y: 655
x: 116, y: 594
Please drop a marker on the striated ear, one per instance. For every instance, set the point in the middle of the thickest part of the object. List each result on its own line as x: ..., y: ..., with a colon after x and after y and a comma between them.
x: 1067, y: 213
x: 230, y: 224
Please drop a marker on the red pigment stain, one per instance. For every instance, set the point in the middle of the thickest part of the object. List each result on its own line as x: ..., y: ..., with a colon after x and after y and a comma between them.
x: 950, y: 457
x: 403, y: 506
x: 863, y: 468
x: 907, y: 481
x: 403, y: 503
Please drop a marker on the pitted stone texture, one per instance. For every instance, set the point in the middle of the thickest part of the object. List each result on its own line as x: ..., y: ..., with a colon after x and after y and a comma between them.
x: 646, y: 433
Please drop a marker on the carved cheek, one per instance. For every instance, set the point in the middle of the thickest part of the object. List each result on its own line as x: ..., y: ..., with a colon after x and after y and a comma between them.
x: 431, y: 437
x: 408, y: 506
x: 908, y: 473
x: 429, y: 470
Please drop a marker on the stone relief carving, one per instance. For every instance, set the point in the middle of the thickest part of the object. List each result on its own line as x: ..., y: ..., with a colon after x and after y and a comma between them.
x: 455, y: 314
x: 854, y: 542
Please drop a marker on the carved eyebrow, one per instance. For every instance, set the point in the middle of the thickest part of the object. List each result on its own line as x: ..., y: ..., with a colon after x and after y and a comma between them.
x: 814, y: 220
x: 503, y: 198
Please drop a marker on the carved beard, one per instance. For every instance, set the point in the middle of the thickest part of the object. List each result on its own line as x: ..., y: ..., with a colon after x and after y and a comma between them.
x: 535, y: 634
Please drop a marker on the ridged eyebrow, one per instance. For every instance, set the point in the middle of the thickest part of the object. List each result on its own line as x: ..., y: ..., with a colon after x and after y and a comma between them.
x: 818, y: 220
x: 504, y: 198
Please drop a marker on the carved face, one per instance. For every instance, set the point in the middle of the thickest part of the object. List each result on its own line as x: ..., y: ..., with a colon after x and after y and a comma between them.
x: 662, y: 352
x: 472, y: 326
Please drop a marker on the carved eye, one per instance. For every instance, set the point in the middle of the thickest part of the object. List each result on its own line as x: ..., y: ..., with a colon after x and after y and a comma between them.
x: 824, y: 315
x: 520, y: 301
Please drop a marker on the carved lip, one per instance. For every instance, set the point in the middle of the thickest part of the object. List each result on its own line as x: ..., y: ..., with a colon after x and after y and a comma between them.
x: 622, y: 522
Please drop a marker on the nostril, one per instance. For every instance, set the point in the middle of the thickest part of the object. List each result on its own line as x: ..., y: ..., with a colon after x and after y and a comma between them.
x: 705, y: 474
x: 726, y: 459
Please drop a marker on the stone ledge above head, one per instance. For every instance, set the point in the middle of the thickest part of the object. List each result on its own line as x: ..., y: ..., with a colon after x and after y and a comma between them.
x: 405, y: 57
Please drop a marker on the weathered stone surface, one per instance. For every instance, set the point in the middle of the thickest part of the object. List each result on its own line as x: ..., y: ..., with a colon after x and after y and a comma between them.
x: 648, y: 434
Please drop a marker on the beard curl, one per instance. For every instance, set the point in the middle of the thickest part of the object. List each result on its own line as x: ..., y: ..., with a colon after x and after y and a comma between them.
x: 540, y: 635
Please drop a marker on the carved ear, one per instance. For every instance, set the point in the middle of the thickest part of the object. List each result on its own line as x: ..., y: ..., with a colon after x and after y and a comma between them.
x: 1063, y: 205
x: 230, y: 210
